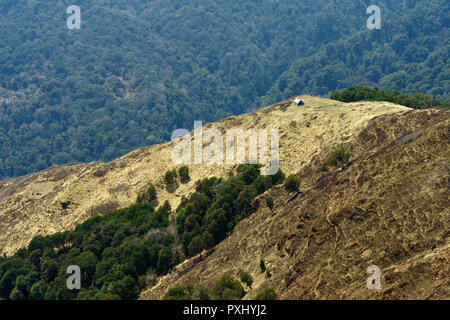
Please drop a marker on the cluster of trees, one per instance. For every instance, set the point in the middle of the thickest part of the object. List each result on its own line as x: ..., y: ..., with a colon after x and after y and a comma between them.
x: 412, y: 100
x: 216, y: 206
x: 159, y: 66
x: 225, y: 288
x: 114, y: 252
x: 119, y: 253
x: 171, y: 176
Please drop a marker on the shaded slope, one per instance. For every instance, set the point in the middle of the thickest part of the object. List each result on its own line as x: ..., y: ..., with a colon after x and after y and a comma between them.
x: 389, y: 207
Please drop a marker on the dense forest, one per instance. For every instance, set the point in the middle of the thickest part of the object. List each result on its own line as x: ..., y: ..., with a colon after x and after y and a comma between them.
x: 122, y: 252
x: 409, y: 53
x: 137, y: 70
x: 411, y: 100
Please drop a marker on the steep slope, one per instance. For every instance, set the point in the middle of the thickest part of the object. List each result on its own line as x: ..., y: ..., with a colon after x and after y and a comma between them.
x: 388, y: 207
x: 59, y: 198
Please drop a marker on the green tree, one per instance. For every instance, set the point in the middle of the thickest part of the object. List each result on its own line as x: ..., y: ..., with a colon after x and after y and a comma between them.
x: 49, y: 269
x: 195, y: 246
x: 38, y: 290
x: 170, y: 176
x: 180, y: 293
x: 106, y: 296
x: 278, y: 177
x: 227, y: 288
x: 7, y: 283
x: 164, y: 257
x: 126, y: 288
x: 267, y: 294
x: 35, y: 258
x: 183, y: 172
x: 338, y: 158
x: 16, y: 294
x: 292, y: 184
x: 246, y: 279
x: 245, y: 197
x: 148, y: 195
x: 269, y: 202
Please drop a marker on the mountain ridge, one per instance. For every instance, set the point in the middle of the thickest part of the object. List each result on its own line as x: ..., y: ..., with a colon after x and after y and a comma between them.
x: 58, y: 198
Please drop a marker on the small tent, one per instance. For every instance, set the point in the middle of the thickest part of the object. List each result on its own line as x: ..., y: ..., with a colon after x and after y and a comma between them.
x: 298, y: 102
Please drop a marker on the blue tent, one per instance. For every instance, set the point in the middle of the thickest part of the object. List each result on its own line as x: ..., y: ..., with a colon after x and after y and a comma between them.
x: 299, y: 102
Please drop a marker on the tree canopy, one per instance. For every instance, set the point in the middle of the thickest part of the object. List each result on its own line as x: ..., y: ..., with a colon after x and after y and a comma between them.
x: 137, y: 70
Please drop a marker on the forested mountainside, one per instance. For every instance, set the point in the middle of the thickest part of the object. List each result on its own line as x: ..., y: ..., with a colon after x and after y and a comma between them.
x: 137, y: 70
x: 409, y: 53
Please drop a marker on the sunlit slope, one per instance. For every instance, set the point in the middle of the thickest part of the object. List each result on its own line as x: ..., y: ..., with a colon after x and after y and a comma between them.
x: 61, y: 197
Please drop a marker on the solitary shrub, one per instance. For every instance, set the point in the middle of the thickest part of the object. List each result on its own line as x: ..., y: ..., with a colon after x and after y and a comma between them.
x: 269, y: 203
x: 337, y: 158
x: 180, y: 293
x: 183, y: 172
x: 170, y: 176
x: 246, y: 279
x: 148, y: 195
x: 267, y: 294
x: 262, y: 266
x: 227, y: 288
x: 292, y: 183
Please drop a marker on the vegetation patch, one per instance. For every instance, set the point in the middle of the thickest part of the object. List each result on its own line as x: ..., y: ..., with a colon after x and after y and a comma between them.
x: 338, y: 158
x: 411, y: 100
x: 122, y: 251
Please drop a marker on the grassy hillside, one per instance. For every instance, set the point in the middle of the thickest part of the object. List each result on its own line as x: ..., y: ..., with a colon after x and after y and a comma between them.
x: 61, y: 197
